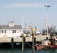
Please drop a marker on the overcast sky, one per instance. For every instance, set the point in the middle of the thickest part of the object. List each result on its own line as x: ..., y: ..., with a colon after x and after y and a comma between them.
x: 32, y: 11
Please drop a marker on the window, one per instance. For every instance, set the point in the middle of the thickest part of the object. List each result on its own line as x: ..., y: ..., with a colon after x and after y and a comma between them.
x: 13, y: 31
x: 2, y: 31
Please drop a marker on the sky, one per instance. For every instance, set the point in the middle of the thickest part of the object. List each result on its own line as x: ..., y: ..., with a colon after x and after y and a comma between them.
x: 33, y: 12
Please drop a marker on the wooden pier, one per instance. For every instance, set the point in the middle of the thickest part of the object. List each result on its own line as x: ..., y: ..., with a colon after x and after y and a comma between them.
x: 27, y: 39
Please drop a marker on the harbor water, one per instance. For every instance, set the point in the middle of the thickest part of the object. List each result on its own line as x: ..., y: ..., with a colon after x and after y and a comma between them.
x: 26, y: 50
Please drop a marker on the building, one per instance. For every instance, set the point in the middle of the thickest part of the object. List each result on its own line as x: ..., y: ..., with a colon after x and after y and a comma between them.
x: 10, y: 30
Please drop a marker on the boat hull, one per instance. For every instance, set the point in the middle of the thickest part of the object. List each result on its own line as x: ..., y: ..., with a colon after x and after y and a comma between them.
x: 54, y: 46
x: 46, y: 47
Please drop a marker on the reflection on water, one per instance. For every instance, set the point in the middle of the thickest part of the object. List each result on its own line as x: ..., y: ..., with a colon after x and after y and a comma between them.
x: 27, y: 50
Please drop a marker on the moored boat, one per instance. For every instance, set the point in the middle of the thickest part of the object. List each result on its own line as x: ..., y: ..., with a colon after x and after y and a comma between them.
x: 39, y: 47
x: 46, y: 44
x: 47, y: 47
x: 55, y: 44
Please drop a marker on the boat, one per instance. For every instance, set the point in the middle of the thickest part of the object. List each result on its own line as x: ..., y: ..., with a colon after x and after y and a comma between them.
x: 54, y: 46
x: 46, y: 44
x: 38, y: 47
x: 46, y: 47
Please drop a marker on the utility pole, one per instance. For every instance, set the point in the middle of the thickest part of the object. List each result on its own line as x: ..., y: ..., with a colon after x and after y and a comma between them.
x: 47, y: 6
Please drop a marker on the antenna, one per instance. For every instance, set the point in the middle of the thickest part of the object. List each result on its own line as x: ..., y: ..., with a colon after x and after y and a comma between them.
x: 52, y: 22
x: 25, y: 25
x: 22, y: 24
x: 7, y: 20
x: 13, y: 19
x: 47, y: 25
x: 45, y: 22
x: 30, y: 25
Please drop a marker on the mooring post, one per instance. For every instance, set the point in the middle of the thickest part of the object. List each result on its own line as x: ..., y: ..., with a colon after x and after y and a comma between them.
x: 33, y: 34
x: 12, y: 43
x: 33, y: 44
x: 22, y: 43
x: 35, y: 41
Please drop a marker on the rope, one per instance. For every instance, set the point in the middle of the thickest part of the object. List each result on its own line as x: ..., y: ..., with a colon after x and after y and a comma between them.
x: 29, y: 44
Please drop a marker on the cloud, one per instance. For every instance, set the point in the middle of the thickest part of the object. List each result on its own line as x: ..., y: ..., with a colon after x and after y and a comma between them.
x: 27, y: 5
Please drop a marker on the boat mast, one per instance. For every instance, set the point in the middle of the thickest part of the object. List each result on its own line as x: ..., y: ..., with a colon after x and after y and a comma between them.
x: 22, y: 37
x: 47, y: 6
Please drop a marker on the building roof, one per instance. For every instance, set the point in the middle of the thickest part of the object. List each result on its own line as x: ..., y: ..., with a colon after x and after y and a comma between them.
x: 8, y: 27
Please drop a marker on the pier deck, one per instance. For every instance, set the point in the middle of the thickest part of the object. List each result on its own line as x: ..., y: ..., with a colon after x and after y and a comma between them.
x: 27, y: 39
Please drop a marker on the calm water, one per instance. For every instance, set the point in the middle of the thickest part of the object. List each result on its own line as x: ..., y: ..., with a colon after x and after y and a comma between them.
x: 27, y: 50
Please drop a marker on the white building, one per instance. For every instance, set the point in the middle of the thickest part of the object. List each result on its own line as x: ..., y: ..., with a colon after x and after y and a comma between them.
x: 10, y: 30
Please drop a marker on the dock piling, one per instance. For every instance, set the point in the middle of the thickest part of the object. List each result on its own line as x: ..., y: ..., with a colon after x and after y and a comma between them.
x: 22, y: 43
x: 12, y: 43
x: 33, y: 41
